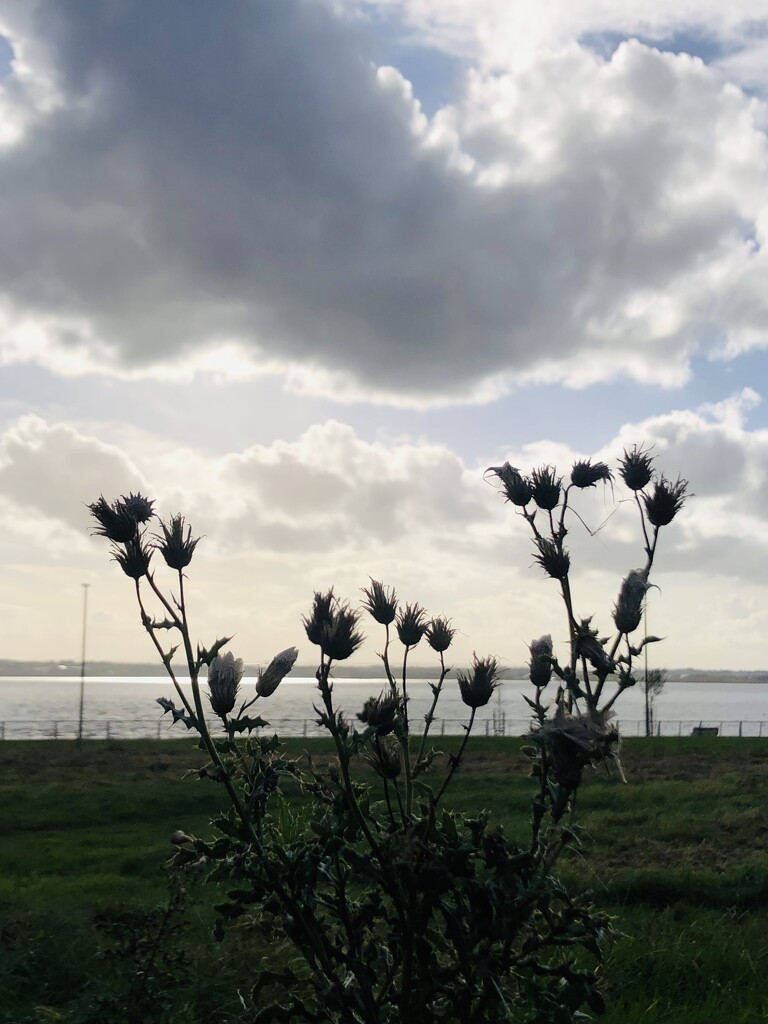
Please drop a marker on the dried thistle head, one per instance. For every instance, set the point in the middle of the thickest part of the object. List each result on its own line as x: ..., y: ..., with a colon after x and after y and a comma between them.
x: 276, y: 671
x: 477, y: 685
x: 666, y: 500
x: 380, y: 713
x: 332, y: 625
x: 224, y: 675
x: 636, y: 468
x: 540, y: 665
x: 546, y: 487
x: 412, y: 623
x: 385, y: 759
x: 137, y: 506
x: 440, y: 634
x: 587, y: 474
x: 381, y: 602
x: 554, y: 562
x: 517, y: 488
x: 629, y: 605
x: 573, y: 741
x: 592, y: 647
x: 320, y: 617
x: 176, y: 549
x: 114, y: 521
x: 133, y: 557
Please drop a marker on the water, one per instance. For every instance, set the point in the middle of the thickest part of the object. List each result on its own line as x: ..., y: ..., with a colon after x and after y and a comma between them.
x: 39, y: 707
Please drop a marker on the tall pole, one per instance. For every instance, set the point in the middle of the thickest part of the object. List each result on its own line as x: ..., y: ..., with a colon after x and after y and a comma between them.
x: 648, y: 709
x: 82, y: 665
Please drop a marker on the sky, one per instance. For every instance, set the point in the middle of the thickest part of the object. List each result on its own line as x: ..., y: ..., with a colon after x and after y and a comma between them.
x: 302, y: 270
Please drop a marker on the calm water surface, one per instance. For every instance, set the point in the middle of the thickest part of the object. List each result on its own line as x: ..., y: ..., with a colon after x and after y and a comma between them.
x: 47, y: 706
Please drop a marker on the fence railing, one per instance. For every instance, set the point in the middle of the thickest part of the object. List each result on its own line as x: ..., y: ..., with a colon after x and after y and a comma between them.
x: 499, y: 725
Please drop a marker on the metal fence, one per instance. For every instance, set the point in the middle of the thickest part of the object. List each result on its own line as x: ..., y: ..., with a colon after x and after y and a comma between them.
x: 499, y: 725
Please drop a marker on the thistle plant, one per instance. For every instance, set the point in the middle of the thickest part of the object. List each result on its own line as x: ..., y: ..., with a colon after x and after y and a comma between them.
x: 368, y: 898
x: 576, y: 728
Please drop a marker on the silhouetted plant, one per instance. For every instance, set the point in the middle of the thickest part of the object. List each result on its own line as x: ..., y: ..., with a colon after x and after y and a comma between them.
x: 379, y: 903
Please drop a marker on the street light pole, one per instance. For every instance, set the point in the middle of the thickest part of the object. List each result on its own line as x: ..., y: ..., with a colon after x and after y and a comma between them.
x: 82, y: 665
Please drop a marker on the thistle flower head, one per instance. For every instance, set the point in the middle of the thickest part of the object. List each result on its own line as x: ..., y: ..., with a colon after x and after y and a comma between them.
x: 332, y: 625
x: 629, y: 604
x: 276, y: 671
x: 592, y: 647
x: 381, y: 713
x: 321, y: 616
x: 586, y: 473
x: 636, y: 468
x: 540, y: 665
x: 412, y: 624
x: 517, y: 488
x: 224, y: 675
x: 115, y: 522
x: 666, y: 500
x: 573, y: 741
x: 546, y: 488
x: 440, y: 634
x: 137, y: 506
x: 381, y: 602
x: 176, y: 549
x: 133, y: 557
x: 385, y: 760
x: 554, y: 562
x: 477, y: 685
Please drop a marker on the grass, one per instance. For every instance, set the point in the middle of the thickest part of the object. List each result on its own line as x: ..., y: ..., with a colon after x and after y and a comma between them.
x: 678, y: 855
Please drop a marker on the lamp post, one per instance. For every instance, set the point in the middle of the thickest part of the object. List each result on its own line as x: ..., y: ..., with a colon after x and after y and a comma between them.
x: 82, y: 665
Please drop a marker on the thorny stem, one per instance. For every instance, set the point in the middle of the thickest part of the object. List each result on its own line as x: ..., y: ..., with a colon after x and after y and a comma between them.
x: 164, y: 601
x: 385, y: 661
x: 343, y: 753
x: 147, y: 623
x: 456, y: 760
x: 429, y: 718
x: 205, y: 735
x: 405, y: 739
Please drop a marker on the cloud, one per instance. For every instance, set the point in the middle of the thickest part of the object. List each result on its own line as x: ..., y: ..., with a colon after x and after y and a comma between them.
x: 330, y: 508
x: 503, y: 35
x: 249, y: 191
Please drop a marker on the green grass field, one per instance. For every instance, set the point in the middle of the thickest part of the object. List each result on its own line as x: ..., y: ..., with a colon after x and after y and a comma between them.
x: 678, y: 855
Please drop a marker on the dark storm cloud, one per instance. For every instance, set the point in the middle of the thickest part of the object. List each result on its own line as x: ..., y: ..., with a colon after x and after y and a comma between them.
x: 214, y: 172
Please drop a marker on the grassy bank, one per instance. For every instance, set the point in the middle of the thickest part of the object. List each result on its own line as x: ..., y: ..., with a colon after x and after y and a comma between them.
x: 678, y: 854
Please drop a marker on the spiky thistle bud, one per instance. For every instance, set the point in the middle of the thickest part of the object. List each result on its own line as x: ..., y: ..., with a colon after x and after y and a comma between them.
x: 440, y: 634
x: 586, y: 473
x: 115, y: 522
x: 517, y: 488
x: 385, y: 759
x: 546, y: 488
x: 276, y: 671
x: 137, y: 506
x: 412, y: 623
x: 224, y: 675
x: 554, y: 562
x: 176, y: 549
x: 540, y: 665
x: 133, y: 557
x: 321, y: 616
x: 592, y: 647
x: 380, y: 713
x: 636, y: 468
x: 381, y: 602
x: 332, y: 625
x: 477, y: 685
x: 665, y: 502
x: 629, y: 604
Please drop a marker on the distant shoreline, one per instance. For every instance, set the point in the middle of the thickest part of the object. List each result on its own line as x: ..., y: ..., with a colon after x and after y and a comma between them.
x: 67, y: 669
